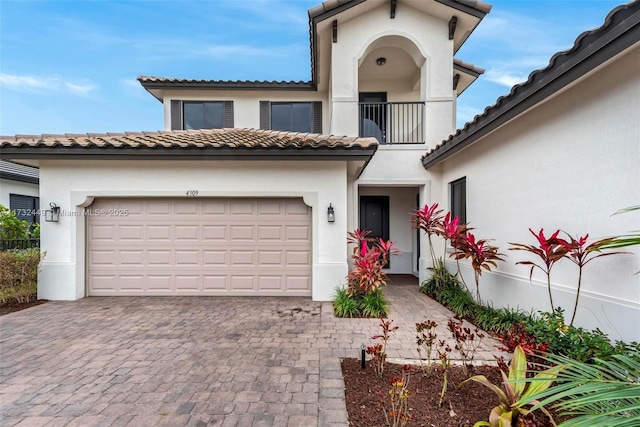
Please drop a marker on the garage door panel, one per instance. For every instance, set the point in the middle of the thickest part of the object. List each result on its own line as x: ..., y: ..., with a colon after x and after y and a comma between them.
x: 200, y: 247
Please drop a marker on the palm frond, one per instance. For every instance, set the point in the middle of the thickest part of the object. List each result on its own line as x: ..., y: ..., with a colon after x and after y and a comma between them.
x: 605, y: 393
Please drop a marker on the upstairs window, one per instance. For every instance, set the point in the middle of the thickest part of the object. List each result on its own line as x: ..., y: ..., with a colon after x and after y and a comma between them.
x: 189, y: 115
x: 458, y: 197
x: 291, y: 116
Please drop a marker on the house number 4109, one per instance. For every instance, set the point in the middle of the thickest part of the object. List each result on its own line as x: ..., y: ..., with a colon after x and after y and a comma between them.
x: 192, y: 193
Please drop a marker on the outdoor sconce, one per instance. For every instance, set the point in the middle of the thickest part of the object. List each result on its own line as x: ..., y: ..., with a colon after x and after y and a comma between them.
x: 381, y: 61
x: 53, y: 214
x: 331, y: 216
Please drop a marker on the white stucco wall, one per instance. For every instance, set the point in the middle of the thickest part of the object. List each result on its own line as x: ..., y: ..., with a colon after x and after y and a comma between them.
x: 71, y: 185
x: 567, y: 164
x: 402, y: 201
x: 246, y: 104
x: 427, y: 34
x: 8, y: 186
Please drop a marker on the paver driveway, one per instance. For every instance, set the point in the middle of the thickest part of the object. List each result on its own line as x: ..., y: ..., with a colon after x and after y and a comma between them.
x: 192, y: 361
x: 167, y: 361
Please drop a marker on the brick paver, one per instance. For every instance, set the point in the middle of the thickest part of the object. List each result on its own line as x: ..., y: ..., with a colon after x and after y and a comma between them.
x: 192, y: 361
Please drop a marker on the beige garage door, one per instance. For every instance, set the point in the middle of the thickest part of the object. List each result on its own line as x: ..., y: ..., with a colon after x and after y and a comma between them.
x: 196, y: 246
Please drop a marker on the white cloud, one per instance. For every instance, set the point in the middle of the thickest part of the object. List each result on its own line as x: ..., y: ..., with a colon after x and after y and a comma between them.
x: 505, y: 77
x: 26, y: 83
x: 43, y: 84
x: 79, y: 89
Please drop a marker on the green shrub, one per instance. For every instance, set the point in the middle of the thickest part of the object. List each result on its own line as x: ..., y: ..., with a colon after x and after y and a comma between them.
x: 440, y: 278
x: 373, y: 304
x: 11, y: 227
x: 344, y: 305
x: 19, y: 275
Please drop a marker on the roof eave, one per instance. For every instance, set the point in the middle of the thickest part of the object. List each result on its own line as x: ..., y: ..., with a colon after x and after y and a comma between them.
x: 17, y: 177
x: 192, y: 153
x: 543, y: 84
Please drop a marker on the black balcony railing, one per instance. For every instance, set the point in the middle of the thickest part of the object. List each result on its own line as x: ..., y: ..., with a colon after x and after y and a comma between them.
x: 8, y: 244
x: 393, y: 122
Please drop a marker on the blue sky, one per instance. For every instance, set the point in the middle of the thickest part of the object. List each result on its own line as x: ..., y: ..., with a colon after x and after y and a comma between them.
x: 71, y: 66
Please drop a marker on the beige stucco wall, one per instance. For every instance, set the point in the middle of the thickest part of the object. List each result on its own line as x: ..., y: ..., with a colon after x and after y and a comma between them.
x: 72, y: 185
x: 568, y: 164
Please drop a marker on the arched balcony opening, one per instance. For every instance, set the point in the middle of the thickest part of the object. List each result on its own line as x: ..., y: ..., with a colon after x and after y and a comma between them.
x: 390, y: 86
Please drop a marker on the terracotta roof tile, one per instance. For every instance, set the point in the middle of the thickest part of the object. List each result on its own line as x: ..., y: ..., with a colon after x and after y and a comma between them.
x: 205, y: 138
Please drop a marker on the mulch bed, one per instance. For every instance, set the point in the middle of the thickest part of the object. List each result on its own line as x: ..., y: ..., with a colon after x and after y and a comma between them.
x: 462, y: 407
x: 13, y: 307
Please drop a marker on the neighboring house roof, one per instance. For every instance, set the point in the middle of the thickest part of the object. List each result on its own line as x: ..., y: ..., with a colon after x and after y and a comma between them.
x: 231, y: 144
x: 323, y: 11
x: 620, y: 31
x: 16, y: 172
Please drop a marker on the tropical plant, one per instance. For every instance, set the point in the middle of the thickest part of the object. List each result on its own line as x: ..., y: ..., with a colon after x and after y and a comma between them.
x: 602, y: 393
x: 429, y: 220
x: 425, y: 338
x: 549, y: 250
x: 440, y: 278
x: 443, y: 350
x: 517, y: 393
x: 467, y: 342
x: 345, y: 305
x: 581, y: 254
x: 482, y: 256
x: 369, y: 258
x: 379, y: 350
x: 398, y: 415
x: 373, y: 304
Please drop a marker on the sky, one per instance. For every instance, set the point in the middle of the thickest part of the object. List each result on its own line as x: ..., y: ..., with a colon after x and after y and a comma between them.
x: 71, y: 66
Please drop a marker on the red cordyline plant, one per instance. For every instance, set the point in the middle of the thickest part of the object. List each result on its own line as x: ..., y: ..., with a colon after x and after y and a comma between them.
x: 429, y: 220
x: 369, y: 258
x: 454, y: 232
x: 549, y: 250
x: 580, y: 254
x: 482, y: 256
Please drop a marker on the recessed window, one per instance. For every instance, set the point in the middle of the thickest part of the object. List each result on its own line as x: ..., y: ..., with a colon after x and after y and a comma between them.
x: 292, y: 116
x: 191, y: 115
x: 458, y: 194
x: 203, y: 115
x: 302, y: 117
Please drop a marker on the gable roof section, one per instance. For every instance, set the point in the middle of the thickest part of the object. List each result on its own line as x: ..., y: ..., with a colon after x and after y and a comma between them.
x: 209, y: 144
x: 592, y: 48
x: 16, y: 172
x: 317, y: 14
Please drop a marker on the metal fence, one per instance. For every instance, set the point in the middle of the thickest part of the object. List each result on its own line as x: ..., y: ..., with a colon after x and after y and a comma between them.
x: 393, y: 122
x: 9, y: 244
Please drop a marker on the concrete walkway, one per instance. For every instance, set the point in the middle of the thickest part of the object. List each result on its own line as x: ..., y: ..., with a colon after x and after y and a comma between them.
x: 193, y: 361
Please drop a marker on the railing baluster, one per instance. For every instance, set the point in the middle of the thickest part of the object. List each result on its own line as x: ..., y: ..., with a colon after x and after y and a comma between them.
x: 392, y: 122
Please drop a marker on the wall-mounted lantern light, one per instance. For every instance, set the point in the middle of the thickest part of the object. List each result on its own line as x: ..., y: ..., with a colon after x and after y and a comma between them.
x: 331, y: 216
x: 53, y: 214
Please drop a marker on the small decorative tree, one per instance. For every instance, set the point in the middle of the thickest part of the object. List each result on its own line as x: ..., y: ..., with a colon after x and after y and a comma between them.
x: 482, y: 256
x: 429, y: 220
x: 549, y: 250
x: 369, y: 258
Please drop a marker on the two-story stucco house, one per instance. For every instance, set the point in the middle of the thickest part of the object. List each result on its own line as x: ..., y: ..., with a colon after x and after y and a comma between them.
x: 252, y: 186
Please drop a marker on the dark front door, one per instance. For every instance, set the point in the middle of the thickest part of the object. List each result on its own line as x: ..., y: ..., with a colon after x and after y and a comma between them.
x: 373, y: 115
x: 374, y: 216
